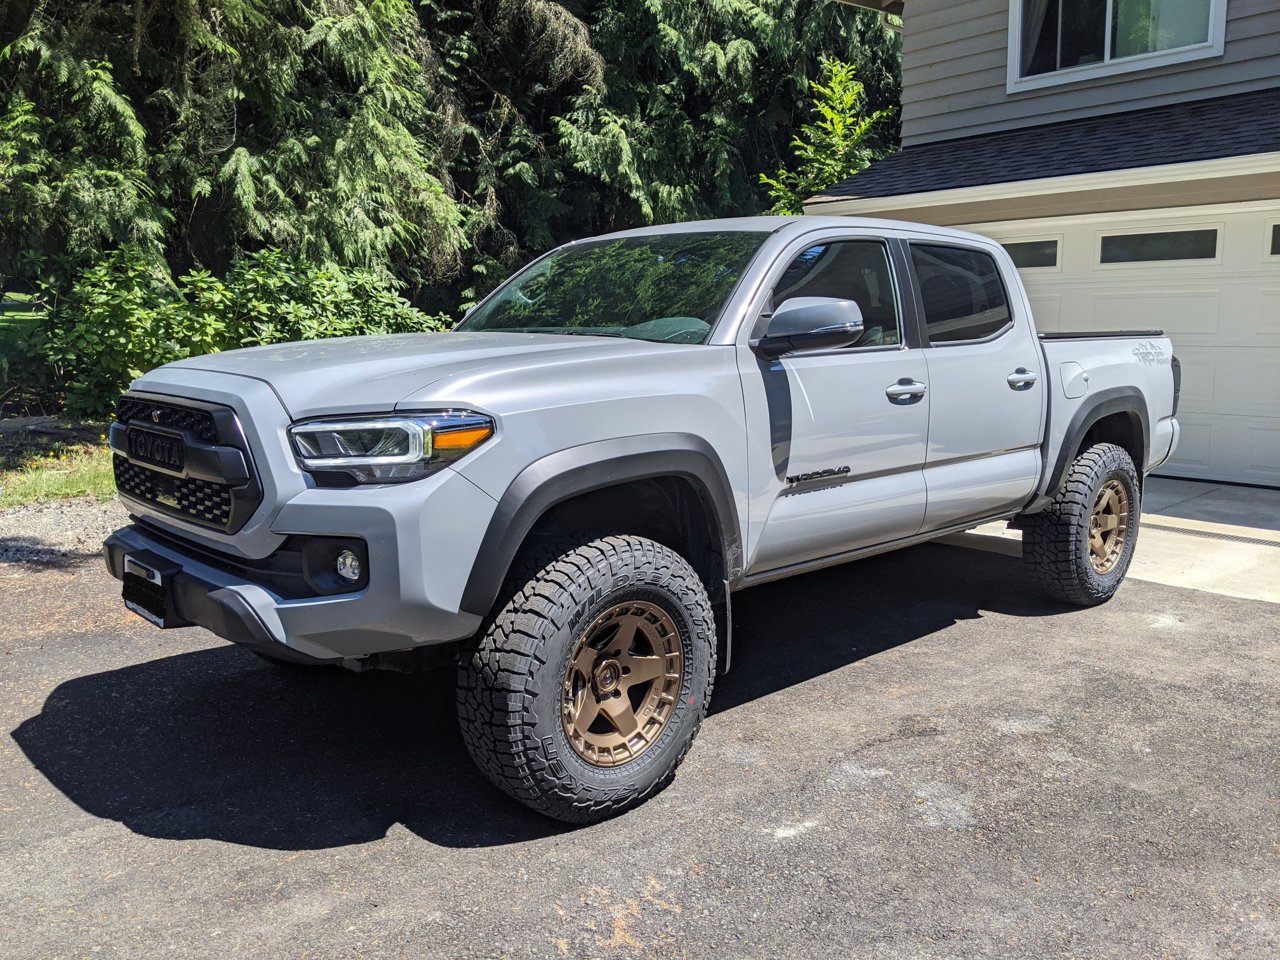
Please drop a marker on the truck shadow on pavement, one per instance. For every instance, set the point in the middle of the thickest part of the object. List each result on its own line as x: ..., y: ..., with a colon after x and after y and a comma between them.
x: 217, y: 744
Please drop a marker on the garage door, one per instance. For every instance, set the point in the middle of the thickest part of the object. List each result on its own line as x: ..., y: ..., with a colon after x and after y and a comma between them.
x: 1207, y: 276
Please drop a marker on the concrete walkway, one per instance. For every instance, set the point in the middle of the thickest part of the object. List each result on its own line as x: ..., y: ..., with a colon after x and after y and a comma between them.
x: 1204, y: 536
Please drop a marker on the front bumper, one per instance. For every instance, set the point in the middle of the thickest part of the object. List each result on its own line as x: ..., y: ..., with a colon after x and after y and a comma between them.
x: 223, y: 610
x: 421, y: 537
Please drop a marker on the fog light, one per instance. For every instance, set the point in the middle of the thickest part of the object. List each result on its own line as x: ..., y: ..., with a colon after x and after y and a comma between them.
x: 348, y: 566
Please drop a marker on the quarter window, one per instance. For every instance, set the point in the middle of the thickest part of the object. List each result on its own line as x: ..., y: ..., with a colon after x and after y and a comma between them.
x: 856, y: 270
x: 962, y: 294
x: 1275, y: 240
x: 1167, y: 245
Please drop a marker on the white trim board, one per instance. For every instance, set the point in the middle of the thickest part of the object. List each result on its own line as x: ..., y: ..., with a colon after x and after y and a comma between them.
x: 1171, y: 218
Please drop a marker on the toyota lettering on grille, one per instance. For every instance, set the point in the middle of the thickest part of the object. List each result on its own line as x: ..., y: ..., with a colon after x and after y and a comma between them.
x: 157, y: 449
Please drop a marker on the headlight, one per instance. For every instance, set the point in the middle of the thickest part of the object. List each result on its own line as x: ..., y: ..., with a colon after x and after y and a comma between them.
x: 390, y: 449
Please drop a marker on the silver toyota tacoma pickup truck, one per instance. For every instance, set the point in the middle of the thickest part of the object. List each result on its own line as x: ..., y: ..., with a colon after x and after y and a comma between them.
x: 564, y: 493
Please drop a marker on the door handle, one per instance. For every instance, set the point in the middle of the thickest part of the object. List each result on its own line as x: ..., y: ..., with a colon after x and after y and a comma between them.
x: 1022, y: 379
x: 905, y: 391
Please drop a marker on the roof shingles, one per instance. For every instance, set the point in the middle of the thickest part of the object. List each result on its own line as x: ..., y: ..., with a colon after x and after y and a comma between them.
x: 1232, y: 126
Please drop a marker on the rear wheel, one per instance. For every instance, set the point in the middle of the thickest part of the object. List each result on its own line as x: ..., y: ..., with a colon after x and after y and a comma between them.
x: 1079, y: 548
x: 588, y: 687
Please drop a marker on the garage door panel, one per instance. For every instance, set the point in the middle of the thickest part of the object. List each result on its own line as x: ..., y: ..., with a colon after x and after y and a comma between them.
x: 1262, y: 391
x: 1251, y: 445
x: 1199, y: 381
x: 1269, y: 327
x: 1192, y: 312
x: 1193, y: 457
x: 1263, y: 440
x: 1221, y: 378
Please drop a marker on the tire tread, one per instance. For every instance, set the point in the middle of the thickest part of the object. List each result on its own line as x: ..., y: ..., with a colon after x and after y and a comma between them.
x: 1051, y: 539
x: 496, y: 698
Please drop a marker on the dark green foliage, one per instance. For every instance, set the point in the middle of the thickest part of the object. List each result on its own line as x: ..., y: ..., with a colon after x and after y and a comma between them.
x: 122, y: 317
x: 195, y: 128
x: 437, y: 143
x: 839, y: 142
x: 701, y: 97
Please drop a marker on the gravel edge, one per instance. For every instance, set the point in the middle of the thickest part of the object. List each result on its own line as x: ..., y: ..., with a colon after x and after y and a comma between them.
x: 58, y: 534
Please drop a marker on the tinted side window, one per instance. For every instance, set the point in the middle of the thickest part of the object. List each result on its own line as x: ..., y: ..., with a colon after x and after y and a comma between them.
x: 962, y: 293
x: 856, y: 270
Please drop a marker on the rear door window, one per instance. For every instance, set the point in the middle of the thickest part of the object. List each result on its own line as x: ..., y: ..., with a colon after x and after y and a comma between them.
x: 962, y: 293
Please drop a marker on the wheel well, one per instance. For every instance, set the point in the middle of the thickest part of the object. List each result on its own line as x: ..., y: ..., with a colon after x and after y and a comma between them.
x: 1124, y: 429
x: 670, y: 510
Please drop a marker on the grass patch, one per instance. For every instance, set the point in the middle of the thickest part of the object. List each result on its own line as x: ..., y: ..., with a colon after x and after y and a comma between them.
x: 18, y: 317
x: 18, y: 311
x: 48, y: 462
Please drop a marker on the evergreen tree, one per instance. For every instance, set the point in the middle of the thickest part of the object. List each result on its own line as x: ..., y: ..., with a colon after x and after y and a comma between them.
x: 435, y: 142
x: 840, y: 141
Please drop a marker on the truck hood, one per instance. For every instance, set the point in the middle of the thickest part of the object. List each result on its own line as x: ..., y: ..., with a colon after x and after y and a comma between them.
x: 371, y: 374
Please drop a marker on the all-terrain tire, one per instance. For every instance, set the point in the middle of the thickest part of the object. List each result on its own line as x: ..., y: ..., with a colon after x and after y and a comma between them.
x: 512, y: 676
x: 1056, y: 542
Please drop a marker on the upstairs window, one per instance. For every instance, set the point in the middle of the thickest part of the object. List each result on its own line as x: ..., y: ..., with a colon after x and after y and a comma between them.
x: 1056, y: 41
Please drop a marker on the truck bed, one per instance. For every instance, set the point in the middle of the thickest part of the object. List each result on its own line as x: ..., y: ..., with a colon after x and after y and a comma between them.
x: 1099, y: 334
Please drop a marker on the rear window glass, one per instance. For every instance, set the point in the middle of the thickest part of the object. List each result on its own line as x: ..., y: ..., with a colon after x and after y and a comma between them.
x: 963, y: 296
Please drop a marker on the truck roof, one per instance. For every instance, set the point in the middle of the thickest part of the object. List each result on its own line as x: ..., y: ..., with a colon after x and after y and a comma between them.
x: 796, y: 224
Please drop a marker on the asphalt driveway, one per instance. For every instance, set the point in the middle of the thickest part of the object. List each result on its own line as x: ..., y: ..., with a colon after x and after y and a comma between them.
x: 914, y: 756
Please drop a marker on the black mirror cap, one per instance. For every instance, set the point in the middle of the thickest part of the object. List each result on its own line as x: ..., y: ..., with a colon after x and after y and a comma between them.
x: 803, y: 324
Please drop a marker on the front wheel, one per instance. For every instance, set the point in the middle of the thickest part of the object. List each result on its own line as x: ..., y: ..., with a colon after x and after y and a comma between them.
x: 1080, y: 546
x: 588, y: 687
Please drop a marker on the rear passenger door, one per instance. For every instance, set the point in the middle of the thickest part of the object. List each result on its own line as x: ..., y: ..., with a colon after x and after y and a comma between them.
x: 986, y: 383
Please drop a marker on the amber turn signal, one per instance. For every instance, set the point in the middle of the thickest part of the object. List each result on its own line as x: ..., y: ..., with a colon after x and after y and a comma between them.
x: 463, y: 439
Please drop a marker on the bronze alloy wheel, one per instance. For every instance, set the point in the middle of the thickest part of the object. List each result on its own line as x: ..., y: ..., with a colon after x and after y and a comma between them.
x: 621, y: 684
x: 1108, y: 526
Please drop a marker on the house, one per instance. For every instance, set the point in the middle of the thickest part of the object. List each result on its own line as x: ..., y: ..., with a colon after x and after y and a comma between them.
x: 1127, y: 153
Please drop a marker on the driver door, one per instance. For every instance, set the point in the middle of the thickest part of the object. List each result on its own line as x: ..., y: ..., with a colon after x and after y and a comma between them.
x: 845, y: 429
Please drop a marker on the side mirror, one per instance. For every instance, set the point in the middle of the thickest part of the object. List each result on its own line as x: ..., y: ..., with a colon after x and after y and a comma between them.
x: 805, y: 324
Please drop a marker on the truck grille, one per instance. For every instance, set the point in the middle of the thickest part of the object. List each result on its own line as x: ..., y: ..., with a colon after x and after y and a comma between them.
x: 209, y: 480
x: 200, y: 423
x: 199, y: 500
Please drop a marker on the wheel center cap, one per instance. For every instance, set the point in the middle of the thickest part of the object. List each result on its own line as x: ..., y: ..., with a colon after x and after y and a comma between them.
x: 607, y: 676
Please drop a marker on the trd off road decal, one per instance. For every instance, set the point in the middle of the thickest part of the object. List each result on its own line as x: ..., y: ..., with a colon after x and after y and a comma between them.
x: 1150, y: 354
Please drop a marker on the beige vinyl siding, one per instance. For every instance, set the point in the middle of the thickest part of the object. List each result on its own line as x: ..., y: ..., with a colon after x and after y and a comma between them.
x: 955, y: 62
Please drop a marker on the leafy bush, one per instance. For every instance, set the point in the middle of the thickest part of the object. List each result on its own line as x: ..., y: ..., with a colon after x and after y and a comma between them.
x: 123, y: 318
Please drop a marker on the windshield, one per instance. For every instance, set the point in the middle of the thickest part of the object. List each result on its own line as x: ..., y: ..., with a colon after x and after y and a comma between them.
x: 667, y: 288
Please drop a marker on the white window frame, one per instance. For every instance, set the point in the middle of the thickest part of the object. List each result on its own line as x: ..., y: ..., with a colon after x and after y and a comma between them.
x: 1268, y: 227
x: 1014, y: 83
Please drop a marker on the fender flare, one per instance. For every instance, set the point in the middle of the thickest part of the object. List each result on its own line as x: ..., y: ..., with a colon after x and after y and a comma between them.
x: 1102, y: 404
x: 592, y: 466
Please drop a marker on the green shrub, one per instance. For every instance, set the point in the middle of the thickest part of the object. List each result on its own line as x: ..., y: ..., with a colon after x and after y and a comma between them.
x: 123, y: 318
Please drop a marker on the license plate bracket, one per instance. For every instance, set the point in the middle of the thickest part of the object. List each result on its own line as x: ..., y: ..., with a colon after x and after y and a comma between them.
x: 147, y: 589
